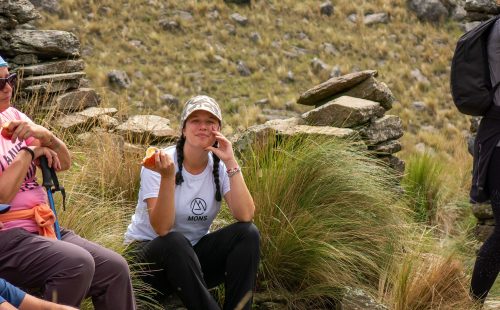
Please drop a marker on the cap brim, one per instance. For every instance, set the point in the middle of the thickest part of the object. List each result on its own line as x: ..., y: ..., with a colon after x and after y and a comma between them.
x: 4, y: 208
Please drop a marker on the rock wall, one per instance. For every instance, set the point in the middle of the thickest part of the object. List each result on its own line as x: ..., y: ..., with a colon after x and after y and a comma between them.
x: 47, y: 62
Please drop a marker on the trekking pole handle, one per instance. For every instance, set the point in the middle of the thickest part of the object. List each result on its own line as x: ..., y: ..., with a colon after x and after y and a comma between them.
x: 46, y: 173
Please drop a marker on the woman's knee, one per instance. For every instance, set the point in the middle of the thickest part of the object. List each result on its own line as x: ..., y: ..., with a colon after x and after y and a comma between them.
x: 173, y: 243
x: 78, y: 265
x: 249, y: 231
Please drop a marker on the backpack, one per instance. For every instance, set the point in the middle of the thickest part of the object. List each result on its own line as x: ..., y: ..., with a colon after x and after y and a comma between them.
x: 470, y: 80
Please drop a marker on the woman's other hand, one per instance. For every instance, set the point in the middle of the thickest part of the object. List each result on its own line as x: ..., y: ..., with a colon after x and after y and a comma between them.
x: 225, y: 149
x: 164, y: 165
x: 52, y: 157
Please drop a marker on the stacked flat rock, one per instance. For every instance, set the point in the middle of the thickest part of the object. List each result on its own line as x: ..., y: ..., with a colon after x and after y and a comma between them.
x: 348, y: 106
x: 478, y: 11
x: 47, y: 62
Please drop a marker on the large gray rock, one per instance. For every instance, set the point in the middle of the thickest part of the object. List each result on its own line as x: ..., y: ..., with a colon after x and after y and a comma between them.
x: 46, y: 44
x: 395, y: 163
x: 52, y: 87
x: 78, y: 100
x: 52, y: 67
x: 387, y: 147
x: 147, y: 129
x: 429, y: 10
x: 383, y: 129
x: 371, y: 89
x: 51, y: 78
x: 84, y: 120
x: 482, y: 211
x: 344, y: 112
x: 376, y: 18
x: 15, y: 12
x: 118, y: 78
x: 322, y: 92
x: 51, y: 6
x: 95, y: 112
x: 73, y: 123
x: 292, y: 127
x: 483, y: 6
x: 357, y: 299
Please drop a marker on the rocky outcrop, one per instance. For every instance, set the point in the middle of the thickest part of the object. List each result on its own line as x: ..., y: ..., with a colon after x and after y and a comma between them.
x: 47, y: 62
x: 338, y: 115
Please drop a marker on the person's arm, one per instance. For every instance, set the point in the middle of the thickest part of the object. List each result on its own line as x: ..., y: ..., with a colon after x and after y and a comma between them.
x: 6, y: 306
x: 239, y: 199
x: 13, y: 176
x: 32, y: 303
x: 161, y: 209
x: 25, y: 129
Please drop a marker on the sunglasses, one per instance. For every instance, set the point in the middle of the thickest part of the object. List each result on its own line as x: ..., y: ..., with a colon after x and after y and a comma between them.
x: 11, y: 80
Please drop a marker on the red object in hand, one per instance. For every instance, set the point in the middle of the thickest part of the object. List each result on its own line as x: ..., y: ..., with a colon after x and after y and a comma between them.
x: 149, y: 159
x: 6, y: 133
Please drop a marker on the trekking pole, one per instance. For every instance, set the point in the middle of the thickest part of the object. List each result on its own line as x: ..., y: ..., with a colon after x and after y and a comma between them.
x: 51, y: 184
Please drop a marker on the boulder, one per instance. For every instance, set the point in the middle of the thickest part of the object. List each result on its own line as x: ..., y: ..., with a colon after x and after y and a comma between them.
x: 357, y: 299
x: 344, y: 112
x: 13, y: 13
x: 52, y: 87
x: 371, y: 89
x: 292, y: 127
x: 395, y: 163
x: 387, y: 147
x: 51, y: 78
x: 78, y: 100
x: 376, y: 18
x: 322, y: 92
x: 46, y: 44
x: 240, y: 19
x: 429, y: 10
x: 53, y: 67
x: 383, y: 129
x: 482, y: 6
x: 147, y: 129
x: 482, y: 211
x: 119, y: 79
x: 95, y: 112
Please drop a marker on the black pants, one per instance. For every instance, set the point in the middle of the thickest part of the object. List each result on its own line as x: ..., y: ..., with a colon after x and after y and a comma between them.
x: 488, y: 259
x: 229, y: 255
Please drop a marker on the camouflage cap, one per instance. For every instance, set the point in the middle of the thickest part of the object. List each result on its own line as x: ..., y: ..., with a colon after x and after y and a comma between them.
x: 204, y: 103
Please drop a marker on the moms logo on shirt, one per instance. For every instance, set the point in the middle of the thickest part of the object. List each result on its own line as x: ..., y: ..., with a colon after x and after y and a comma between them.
x: 198, y: 208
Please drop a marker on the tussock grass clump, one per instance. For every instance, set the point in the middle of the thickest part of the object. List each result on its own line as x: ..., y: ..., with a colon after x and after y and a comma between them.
x: 430, y: 281
x: 424, y: 186
x: 328, y: 217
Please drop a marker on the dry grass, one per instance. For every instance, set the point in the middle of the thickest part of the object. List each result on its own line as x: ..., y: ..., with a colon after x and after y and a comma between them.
x: 430, y: 281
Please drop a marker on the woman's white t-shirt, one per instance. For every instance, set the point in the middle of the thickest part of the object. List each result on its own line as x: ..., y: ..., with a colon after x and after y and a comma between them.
x: 195, y: 204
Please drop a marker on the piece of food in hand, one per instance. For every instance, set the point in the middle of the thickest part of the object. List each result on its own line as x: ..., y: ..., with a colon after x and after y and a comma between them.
x: 149, y: 159
x: 6, y: 133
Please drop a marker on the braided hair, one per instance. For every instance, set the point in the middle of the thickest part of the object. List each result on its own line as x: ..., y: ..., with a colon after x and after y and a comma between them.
x: 180, y: 158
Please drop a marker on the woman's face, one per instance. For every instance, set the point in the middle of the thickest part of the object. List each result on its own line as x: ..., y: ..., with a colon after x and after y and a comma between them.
x: 198, y: 128
x: 6, y: 92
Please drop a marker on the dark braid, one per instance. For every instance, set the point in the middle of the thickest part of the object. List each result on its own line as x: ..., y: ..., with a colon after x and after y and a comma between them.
x: 218, y: 195
x: 180, y: 158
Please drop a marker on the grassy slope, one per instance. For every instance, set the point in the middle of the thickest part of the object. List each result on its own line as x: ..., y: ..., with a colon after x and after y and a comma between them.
x: 183, y: 62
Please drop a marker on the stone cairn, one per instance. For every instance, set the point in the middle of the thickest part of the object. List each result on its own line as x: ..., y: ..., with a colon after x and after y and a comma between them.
x: 348, y: 106
x: 478, y: 11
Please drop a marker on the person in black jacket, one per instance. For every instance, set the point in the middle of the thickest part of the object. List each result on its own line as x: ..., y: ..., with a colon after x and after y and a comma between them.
x: 486, y: 177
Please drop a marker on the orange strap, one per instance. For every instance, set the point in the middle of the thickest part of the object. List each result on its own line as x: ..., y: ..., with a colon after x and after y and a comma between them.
x: 42, y: 214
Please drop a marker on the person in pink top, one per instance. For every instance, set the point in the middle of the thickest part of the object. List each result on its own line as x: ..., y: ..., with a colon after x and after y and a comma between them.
x: 69, y: 269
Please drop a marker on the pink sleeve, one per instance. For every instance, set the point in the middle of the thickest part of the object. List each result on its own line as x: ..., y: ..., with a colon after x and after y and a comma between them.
x: 23, y: 117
